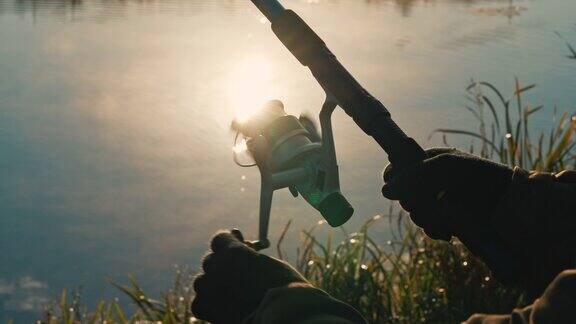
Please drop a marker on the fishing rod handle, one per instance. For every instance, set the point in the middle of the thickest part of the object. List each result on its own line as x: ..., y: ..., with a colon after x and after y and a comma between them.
x: 368, y: 113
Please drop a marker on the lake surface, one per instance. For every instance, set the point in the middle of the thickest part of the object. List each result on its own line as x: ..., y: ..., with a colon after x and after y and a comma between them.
x: 115, y: 148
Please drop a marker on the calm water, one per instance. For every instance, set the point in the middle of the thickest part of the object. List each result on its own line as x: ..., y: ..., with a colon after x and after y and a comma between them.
x: 115, y: 152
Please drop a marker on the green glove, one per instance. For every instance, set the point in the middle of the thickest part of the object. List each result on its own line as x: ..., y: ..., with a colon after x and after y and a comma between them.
x: 450, y: 192
x: 236, y: 279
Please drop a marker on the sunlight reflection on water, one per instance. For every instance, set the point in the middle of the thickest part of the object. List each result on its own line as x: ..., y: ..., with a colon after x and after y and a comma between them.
x: 251, y: 86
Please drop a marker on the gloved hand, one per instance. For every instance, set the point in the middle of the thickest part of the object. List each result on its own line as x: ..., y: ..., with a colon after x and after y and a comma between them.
x: 451, y: 193
x: 235, y: 280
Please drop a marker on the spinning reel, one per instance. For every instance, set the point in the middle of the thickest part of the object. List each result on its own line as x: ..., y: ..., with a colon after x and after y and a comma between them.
x: 290, y: 153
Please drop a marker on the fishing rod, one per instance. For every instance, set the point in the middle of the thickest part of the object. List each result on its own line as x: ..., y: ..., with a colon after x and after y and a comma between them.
x: 289, y: 151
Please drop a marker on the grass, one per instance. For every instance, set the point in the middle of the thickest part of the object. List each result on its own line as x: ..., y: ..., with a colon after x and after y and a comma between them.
x: 408, y: 279
x: 172, y: 307
x: 569, y: 46
x: 505, y: 134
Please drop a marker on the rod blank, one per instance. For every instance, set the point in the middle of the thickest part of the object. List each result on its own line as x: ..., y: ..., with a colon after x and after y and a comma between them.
x: 269, y: 8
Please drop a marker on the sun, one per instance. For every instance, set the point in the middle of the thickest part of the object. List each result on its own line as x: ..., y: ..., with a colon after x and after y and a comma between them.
x: 250, y: 86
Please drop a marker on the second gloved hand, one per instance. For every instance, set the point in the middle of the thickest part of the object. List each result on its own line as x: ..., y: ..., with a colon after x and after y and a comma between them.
x: 450, y: 193
x: 235, y: 280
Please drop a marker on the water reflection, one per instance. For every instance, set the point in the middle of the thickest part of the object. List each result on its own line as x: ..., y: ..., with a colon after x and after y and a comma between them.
x: 74, y: 10
x: 406, y: 6
x: 250, y: 86
x: 109, y: 9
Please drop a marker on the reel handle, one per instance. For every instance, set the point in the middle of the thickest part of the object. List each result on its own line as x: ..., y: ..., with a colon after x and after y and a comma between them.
x: 259, y: 245
x: 266, y: 194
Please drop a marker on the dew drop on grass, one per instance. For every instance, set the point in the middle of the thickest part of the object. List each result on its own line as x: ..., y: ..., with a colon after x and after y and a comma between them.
x: 364, y: 267
x: 465, y: 263
x: 310, y: 263
x: 486, y: 278
x: 353, y: 241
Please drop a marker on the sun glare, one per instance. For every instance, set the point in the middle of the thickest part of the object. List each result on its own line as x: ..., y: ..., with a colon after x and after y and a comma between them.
x: 240, y: 147
x: 250, y: 86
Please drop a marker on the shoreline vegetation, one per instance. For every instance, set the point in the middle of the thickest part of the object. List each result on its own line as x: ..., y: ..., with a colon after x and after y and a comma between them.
x: 409, y: 279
